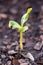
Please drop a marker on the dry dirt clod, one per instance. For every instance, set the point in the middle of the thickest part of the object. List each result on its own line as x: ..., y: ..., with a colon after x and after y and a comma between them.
x: 38, y: 46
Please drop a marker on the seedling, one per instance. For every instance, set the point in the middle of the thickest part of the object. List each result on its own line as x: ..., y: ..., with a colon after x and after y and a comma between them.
x: 21, y: 28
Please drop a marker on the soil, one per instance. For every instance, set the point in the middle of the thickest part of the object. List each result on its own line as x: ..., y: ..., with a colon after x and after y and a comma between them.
x: 32, y: 39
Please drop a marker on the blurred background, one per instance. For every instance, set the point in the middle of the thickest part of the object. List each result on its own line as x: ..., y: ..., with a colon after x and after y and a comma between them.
x: 14, y: 9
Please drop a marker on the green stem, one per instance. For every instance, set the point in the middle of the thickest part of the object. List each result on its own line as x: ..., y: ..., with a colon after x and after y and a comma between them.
x: 21, y: 45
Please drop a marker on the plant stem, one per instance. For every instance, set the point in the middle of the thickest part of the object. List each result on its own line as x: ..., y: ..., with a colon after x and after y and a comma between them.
x: 21, y: 45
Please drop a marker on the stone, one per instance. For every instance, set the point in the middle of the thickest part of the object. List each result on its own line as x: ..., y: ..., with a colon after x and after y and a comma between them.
x: 3, y: 56
x: 38, y: 46
x: 41, y: 36
x: 11, y: 52
x: 8, y: 46
x: 21, y: 61
x: 41, y: 27
x: 11, y: 57
x: 5, y: 42
x: 3, y: 48
x: 24, y: 63
x: 8, y: 62
x: 5, y: 36
x: 17, y: 48
x: 41, y: 20
x: 30, y: 56
x: 42, y: 42
x: 14, y: 43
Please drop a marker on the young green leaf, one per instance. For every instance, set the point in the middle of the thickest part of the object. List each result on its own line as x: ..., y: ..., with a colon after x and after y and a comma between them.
x: 29, y: 10
x: 25, y: 16
x: 24, y: 19
x: 14, y: 24
x: 25, y: 28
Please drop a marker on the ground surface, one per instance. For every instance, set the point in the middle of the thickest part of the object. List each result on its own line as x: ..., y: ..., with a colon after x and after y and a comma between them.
x: 32, y: 39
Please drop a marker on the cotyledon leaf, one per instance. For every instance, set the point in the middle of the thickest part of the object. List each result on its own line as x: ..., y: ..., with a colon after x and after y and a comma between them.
x: 24, y: 19
x: 14, y: 24
x: 25, y: 16
x: 25, y: 28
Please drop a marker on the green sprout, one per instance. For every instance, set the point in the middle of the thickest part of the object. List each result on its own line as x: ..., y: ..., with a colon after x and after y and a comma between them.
x: 21, y: 28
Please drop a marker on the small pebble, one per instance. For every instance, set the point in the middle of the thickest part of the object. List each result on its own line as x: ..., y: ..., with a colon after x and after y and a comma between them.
x: 15, y: 43
x: 3, y: 56
x: 8, y: 62
x: 17, y: 48
x: 24, y: 63
x: 21, y: 60
x: 38, y: 46
x: 11, y: 52
x: 30, y: 56
x: 8, y: 46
